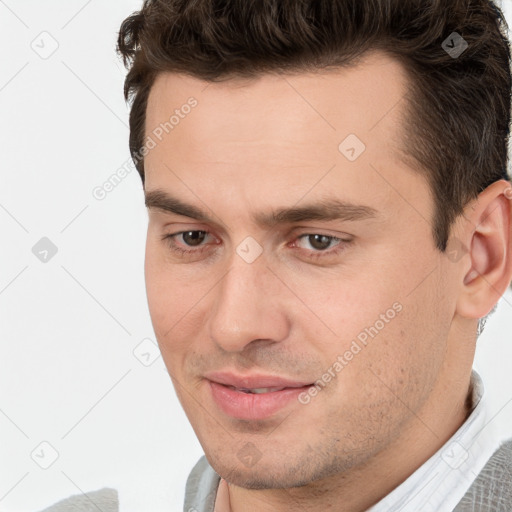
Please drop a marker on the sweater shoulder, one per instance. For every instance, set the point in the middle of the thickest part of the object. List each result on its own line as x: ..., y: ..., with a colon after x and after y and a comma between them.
x: 492, y: 489
x: 201, y: 487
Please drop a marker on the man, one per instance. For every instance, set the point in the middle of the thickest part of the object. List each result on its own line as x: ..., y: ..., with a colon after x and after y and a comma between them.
x: 329, y: 225
x: 329, y: 218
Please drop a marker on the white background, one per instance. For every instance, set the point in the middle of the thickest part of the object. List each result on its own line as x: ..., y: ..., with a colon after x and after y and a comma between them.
x: 69, y: 326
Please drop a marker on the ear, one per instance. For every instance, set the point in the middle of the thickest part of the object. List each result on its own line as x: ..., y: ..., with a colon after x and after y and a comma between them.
x: 488, y: 234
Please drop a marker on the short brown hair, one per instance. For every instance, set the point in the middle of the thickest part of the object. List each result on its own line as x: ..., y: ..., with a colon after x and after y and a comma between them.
x: 458, y: 109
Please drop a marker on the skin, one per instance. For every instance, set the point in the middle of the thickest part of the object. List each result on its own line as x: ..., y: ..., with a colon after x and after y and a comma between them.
x: 250, y: 147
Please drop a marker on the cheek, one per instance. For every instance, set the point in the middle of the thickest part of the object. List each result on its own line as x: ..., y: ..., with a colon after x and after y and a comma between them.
x: 345, y: 308
x: 405, y: 358
x: 175, y: 300
x: 157, y: 291
x: 167, y: 300
x: 390, y: 340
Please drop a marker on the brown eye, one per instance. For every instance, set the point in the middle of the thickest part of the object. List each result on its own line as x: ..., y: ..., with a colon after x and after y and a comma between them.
x: 192, y: 242
x: 194, y: 238
x: 320, y: 242
x: 318, y: 246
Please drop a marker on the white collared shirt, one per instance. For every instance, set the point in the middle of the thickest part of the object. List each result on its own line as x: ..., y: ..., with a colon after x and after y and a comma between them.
x: 441, y: 482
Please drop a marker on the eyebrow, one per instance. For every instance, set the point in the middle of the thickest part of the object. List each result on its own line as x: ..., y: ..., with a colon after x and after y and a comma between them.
x: 323, y: 210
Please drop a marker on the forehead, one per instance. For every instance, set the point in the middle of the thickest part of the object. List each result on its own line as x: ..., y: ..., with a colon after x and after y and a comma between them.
x: 312, y: 109
x: 274, y: 138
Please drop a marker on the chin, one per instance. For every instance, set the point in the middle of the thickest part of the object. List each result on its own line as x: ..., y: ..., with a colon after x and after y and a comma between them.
x: 272, y: 475
x: 263, y: 480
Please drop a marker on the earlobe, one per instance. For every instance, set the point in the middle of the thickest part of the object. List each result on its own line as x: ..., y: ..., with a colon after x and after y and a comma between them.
x: 490, y: 249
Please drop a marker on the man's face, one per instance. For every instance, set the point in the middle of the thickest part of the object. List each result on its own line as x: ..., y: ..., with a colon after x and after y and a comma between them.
x: 253, y: 304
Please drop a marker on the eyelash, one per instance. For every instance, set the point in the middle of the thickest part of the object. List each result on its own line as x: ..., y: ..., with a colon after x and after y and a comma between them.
x: 313, y: 254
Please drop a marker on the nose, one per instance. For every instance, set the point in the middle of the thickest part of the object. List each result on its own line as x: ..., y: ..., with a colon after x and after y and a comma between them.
x: 248, y: 305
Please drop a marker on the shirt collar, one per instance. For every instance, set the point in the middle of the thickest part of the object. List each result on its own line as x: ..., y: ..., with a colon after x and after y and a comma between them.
x: 441, y: 482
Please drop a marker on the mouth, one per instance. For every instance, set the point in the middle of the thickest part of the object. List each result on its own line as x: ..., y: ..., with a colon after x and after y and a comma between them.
x: 254, y: 397
x: 257, y: 391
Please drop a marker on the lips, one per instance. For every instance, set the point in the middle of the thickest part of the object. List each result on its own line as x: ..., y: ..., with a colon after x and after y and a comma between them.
x: 253, y: 397
x: 255, y: 381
